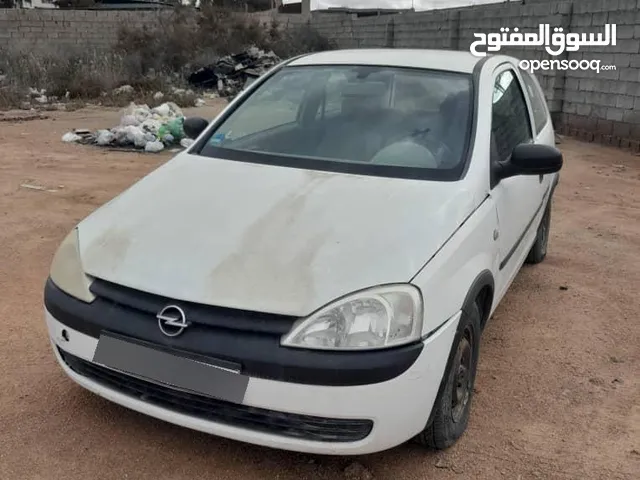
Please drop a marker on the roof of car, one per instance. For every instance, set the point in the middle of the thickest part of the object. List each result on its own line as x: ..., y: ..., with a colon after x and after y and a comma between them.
x: 448, y: 60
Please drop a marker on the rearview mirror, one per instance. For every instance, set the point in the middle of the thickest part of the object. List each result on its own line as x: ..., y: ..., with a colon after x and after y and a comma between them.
x: 194, y: 126
x: 531, y: 159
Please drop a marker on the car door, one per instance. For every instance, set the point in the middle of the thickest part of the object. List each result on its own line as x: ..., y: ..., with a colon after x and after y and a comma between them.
x: 518, y: 199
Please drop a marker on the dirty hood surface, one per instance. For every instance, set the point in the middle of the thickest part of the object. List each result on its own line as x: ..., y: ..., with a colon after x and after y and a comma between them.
x: 267, y: 238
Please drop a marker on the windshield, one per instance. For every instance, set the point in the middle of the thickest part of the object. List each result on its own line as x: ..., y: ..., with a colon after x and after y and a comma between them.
x: 358, y: 119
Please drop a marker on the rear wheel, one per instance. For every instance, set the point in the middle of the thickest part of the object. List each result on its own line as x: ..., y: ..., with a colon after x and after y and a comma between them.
x: 538, y: 251
x: 452, y: 407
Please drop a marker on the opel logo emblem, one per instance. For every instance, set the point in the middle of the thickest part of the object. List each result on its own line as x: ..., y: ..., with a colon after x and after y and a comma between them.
x: 172, y: 320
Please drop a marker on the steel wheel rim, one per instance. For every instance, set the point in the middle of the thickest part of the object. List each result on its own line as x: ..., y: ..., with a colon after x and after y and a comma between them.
x: 462, y: 376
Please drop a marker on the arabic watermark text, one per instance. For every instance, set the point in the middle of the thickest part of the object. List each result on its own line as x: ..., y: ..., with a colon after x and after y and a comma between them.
x: 570, y: 42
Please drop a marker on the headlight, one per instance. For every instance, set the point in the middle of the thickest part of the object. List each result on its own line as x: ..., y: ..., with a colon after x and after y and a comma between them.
x: 380, y: 317
x: 66, y: 269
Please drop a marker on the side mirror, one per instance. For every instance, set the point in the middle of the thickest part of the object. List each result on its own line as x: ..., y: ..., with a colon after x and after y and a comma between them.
x: 194, y: 126
x: 531, y: 159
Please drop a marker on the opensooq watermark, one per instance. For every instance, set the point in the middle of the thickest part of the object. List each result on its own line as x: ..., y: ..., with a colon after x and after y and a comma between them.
x: 570, y: 42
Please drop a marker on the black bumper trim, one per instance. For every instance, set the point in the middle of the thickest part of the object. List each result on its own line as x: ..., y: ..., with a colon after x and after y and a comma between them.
x: 257, y: 350
x: 304, y: 427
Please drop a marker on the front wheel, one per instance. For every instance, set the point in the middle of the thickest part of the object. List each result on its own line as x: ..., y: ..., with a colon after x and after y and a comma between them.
x: 452, y: 407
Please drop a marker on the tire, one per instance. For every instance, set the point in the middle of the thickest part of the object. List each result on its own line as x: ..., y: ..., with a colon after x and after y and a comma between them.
x: 538, y: 251
x: 451, y: 409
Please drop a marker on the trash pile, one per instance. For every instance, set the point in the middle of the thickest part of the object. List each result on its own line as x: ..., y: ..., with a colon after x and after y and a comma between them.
x: 141, y: 128
x: 230, y: 74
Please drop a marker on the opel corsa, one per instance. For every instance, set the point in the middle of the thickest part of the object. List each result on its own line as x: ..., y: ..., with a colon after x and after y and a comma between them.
x: 315, y: 272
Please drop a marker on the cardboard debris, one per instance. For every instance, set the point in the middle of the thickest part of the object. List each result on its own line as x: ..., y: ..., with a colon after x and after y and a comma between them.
x: 17, y: 116
x: 32, y: 187
x: 230, y: 74
x: 39, y: 187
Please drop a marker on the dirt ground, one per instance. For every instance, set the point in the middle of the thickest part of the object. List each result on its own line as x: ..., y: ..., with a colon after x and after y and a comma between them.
x: 558, y: 387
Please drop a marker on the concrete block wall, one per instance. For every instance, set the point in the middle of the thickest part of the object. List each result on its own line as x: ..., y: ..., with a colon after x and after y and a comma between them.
x: 42, y: 30
x: 283, y: 19
x: 605, y: 107
x: 347, y: 31
x: 437, y: 29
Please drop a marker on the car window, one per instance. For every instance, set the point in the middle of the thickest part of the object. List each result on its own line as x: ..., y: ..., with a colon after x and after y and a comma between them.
x: 510, y: 125
x: 274, y: 105
x: 538, y: 102
x: 374, y: 118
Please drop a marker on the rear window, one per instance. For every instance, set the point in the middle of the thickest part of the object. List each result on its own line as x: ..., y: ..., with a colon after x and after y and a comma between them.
x: 360, y: 119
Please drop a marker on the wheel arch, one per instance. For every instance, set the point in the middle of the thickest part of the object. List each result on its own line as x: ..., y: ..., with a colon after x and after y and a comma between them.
x: 482, y: 291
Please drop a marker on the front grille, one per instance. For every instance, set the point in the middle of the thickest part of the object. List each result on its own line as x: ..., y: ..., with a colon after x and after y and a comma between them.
x: 206, y: 316
x: 206, y: 408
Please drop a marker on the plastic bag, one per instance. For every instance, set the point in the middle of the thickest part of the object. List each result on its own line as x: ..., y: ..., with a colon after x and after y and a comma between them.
x: 139, y: 140
x: 104, y: 137
x: 139, y: 112
x: 135, y: 135
x: 129, y: 135
x: 186, y: 142
x: 154, y: 147
x: 162, y: 131
x: 71, y: 137
x: 175, y: 109
x: 174, y: 127
x: 127, y: 120
x: 152, y: 126
x: 163, y: 110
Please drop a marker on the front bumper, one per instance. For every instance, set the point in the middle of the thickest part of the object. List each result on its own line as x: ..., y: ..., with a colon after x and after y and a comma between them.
x: 247, y: 340
x: 397, y: 409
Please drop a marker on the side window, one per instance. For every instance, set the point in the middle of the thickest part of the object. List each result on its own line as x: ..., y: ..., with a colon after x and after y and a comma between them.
x: 538, y: 102
x: 510, y: 124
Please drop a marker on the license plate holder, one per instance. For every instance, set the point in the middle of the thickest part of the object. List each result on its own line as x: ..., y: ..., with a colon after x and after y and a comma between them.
x: 174, y: 370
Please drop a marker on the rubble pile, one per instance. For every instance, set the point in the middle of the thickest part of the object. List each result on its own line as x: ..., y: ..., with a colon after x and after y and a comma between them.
x: 140, y: 128
x: 230, y: 74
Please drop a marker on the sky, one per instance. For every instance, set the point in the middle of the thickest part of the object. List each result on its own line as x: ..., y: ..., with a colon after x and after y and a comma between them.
x: 417, y: 4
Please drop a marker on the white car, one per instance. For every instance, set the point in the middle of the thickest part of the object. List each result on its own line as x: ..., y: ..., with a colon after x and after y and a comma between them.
x: 314, y: 273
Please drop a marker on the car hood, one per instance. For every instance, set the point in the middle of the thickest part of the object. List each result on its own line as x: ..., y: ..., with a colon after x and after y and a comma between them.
x: 267, y: 238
